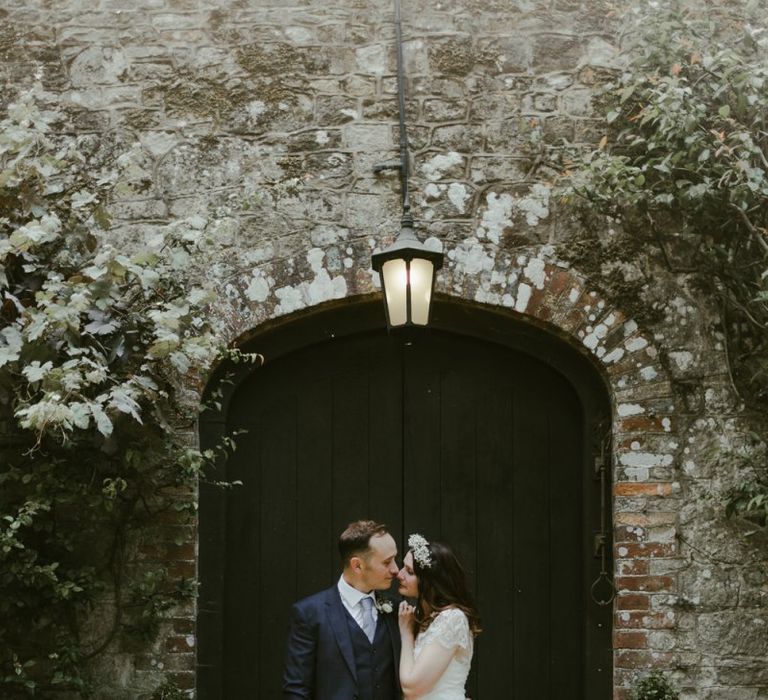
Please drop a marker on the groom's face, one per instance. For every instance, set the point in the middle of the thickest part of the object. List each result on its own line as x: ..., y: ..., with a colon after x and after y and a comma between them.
x: 378, y: 566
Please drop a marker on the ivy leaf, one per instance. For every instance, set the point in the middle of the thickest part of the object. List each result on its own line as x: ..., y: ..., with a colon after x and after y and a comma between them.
x: 103, y: 423
x: 11, y: 343
x: 724, y: 111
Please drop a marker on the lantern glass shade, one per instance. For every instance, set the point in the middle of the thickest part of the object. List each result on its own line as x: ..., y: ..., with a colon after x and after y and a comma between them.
x: 420, y: 281
x: 394, y: 276
x: 408, y: 290
x: 407, y: 273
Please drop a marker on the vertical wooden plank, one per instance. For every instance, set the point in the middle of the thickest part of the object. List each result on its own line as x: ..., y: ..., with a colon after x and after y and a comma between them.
x: 385, y: 446
x: 349, y: 411
x: 565, y: 547
x: 531, y: 538
x: 316, y: 553
x: 458, y: 451
x: 421, y: 441
x: 495, y: 552
x: 277, y: 563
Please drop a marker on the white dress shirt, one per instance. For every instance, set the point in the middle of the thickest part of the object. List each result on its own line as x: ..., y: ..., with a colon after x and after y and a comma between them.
x: 350, y: 598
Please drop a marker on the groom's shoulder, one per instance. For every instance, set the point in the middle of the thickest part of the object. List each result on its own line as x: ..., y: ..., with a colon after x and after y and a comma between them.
x: 316, y: 600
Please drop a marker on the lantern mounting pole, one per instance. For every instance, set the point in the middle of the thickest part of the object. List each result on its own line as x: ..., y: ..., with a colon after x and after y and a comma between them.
x: 407, y: 267
x: 407, y: 218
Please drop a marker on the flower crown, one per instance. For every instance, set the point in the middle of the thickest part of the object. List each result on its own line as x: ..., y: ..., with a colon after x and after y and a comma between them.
x: 420, y: 549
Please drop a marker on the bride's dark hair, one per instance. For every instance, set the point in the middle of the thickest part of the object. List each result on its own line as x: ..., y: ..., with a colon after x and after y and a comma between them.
x: 443, y: 585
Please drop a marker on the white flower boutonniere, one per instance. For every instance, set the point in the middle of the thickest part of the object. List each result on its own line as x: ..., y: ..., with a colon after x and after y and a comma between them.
x: 384, y: 605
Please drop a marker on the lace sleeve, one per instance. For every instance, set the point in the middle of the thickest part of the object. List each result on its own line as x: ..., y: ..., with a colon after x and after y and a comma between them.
x: 451, y: 629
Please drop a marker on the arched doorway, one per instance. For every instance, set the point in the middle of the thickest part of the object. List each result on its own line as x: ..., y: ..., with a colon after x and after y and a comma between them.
x: 480, y: 432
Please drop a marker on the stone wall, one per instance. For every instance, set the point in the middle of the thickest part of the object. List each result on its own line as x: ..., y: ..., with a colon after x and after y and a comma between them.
x: 260, y: 122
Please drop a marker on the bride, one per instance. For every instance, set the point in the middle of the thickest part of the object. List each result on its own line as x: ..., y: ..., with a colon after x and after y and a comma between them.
x: 438, y: 632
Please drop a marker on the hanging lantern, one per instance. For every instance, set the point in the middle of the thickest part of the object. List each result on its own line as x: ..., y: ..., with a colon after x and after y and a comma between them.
x: 407, y: 273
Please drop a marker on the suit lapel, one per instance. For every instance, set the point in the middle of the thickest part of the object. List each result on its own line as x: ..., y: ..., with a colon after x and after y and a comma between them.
x: 394, y: 635
x: 337, y: 618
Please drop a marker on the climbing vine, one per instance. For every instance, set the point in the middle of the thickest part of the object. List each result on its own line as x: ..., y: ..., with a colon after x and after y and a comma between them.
x: 682, y: 174
x: 95, y: 343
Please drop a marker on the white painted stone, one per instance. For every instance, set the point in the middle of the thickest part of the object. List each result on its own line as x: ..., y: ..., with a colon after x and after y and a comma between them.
x: 471, y: 258
x: 434, y: 168
x: 634, y: 344
x: 458, y: 196
x: 629, y: 409
x: 683, y: 359
x: 258, y: 288
x: 614, y: 356
x: 536, y: 205
x: 535, y: 272
x: 645, y: 459
x: 523, y: 297
x: 629, y: 328
x: 291, y: 299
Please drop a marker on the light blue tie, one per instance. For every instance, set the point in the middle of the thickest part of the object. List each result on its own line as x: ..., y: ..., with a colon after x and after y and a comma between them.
x: 369, y: 624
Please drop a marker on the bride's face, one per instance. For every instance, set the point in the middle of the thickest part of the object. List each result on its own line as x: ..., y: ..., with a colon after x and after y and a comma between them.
x: 409, y: 582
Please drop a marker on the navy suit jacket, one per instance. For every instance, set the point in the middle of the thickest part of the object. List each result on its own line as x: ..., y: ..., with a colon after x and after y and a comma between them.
x: 320, y: 661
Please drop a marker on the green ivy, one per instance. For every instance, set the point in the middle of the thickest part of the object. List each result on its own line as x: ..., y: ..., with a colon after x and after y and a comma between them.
x: 95, y: 343
x: 653, y: 686
x: 682, y: 175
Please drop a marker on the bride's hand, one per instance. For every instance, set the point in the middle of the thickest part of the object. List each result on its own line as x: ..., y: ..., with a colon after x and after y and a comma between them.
x: 405, y: 618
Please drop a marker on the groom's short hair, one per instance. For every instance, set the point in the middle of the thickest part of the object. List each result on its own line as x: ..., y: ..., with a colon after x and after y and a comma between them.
x: 356, y: 539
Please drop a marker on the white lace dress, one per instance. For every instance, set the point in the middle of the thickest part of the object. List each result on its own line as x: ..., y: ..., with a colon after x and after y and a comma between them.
x: 451, y: 629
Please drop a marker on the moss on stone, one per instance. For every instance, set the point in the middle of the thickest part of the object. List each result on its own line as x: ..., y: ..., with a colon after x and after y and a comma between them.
x: 277, y: 59
x: 203, y: 97
x: 453, y: 57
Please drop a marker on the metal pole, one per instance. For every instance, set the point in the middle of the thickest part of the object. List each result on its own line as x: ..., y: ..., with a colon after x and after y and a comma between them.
x: 407, y: 219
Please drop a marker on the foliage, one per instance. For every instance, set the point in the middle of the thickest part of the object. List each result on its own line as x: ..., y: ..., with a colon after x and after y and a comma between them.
x: 169, y: 691
x: 94, y: 345
x: 683, y: 170
x: 748, y: 498
x: 653, y: 686
x: 686, y: 152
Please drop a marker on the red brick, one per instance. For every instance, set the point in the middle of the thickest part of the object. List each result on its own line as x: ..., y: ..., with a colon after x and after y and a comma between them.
x: 632, y: 601
x: 645, y: 583
x: 644, y: 424
x: 644, y: 620
x: 633, y: 567
x: 651, y: 550
x: 631, y: 488
x: 183, y: 680
x: 623, y: 639
x: 178, y: 645
x: 181, y: 569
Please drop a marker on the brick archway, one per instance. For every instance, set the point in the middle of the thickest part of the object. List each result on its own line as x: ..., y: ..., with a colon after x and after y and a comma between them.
x: 543, y: 292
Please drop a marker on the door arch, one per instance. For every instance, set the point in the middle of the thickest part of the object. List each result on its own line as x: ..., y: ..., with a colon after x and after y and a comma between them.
x: 480, y: 432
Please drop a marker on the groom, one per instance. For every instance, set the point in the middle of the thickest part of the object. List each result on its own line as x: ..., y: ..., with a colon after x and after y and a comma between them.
x: 344, y: 642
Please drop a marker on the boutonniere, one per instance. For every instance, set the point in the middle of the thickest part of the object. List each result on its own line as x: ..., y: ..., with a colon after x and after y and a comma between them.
x: 383, y: 605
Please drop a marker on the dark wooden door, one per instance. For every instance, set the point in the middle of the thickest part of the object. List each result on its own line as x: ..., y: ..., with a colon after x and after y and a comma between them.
x: 466, y: 441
